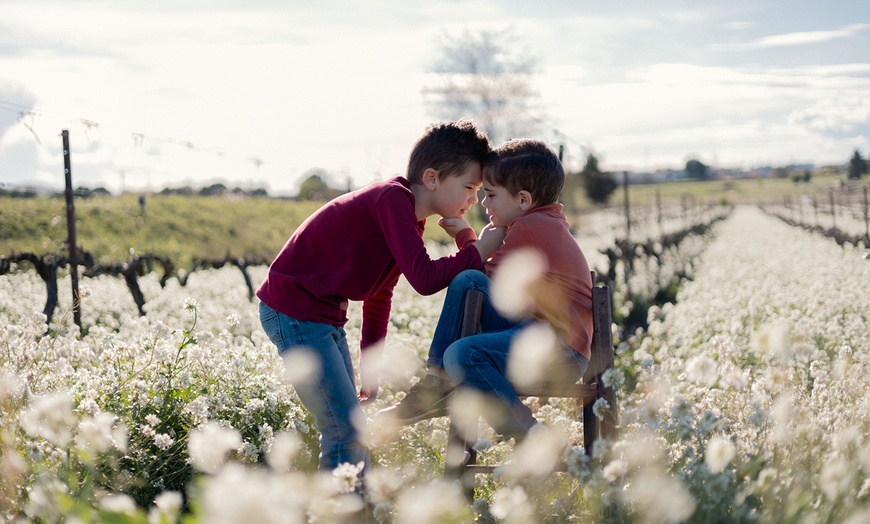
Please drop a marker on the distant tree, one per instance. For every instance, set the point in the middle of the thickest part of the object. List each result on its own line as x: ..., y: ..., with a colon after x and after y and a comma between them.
x: 485, y: 77
x: 804, y: 177
x: 857, y: 166
x: 258, y: 192
x: 184, y: 190
x: 597, y: 184
x: 781, y: 172
x: 696, y: 169
x: 213, y: 190
x: 315, y: 187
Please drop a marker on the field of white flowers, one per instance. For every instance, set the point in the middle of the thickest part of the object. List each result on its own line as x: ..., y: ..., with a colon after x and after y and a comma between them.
x: 746, y: 401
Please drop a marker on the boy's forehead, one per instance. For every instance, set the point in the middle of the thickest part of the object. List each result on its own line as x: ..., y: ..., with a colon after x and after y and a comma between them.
x: 472, y: 171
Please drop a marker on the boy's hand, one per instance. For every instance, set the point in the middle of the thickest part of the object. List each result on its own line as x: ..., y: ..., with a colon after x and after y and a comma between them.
x: 453, y: 225
x: 368, y: 371
x: 368, y: 395
x: 491, y: 238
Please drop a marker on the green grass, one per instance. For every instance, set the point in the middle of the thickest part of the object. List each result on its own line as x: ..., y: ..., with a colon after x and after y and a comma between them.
x: 183, y: 228
x: 739, y: 191
x: 180, y: 228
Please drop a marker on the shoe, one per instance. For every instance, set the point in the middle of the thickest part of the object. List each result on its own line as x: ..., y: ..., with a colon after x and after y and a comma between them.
x: 427, y: 399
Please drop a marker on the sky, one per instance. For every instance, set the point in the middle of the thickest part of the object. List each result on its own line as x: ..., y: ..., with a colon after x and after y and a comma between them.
x: 257, y: 93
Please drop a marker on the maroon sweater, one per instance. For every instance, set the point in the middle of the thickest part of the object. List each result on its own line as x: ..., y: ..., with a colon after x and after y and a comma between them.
x: 355, y: 248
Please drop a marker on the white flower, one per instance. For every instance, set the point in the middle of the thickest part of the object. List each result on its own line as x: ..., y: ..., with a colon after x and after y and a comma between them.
x: 89, y: 406
x: 538, y: 455
x: 249, y: 452
x: 533, y: 351
x: 511, y: 282
x: 166, y: 509
x: 163, y: 441
x: 615, y: 470
x: 152, y: 419
x: 613, y: 378
x: 11, y: 386
x: 659, y: 497
x: 512, y: 504
x: 835, y: 478
x: 96, y: 433
x: 702, y: 370
x: 348, y: 476
x: 190, y: 305
x: 284, y: 449
x: 719, y: 453
x: 600, y: 407
x: 49, y: 417
x: 119, y: 504
x: 233, y: 319
x: 209, y: 444
x: 433, y: 503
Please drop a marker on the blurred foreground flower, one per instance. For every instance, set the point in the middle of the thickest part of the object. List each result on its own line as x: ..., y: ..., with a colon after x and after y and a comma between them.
x: 210, y: 444
x: 438, y: 502
x: 719, y: 453
x: 50, y: 417
x: 532, y: 355
x: 510, y: 283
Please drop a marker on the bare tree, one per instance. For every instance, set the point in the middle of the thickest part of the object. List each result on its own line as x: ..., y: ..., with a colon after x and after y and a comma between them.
x: 484, y: 77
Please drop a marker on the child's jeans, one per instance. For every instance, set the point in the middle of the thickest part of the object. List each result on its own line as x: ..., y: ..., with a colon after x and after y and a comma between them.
x: 330, y: 395
x: 480, y: 361
x: 447, y: 330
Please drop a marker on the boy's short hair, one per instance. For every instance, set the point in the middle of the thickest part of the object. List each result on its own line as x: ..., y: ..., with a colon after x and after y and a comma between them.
x: 523, y: 164
x: 447, y: 147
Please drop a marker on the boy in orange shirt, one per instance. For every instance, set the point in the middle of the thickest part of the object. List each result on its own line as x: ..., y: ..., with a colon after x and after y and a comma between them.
x: 522, y: 188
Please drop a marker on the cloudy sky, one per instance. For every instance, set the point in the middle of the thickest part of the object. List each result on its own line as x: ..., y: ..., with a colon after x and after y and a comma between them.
x: 257, y: 92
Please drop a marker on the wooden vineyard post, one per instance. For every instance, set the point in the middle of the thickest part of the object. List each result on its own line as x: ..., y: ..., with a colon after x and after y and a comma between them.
x: 71, y: 232
x: 866, y: 217
x: 659, y: 210
x: 627, y: 257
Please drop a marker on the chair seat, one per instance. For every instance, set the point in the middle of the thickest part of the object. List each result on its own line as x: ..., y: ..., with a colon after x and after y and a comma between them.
x: 580, y: 391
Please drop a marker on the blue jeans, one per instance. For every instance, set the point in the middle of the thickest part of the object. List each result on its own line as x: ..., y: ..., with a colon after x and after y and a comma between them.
x: 330, y: 395
x: 447, y: 330
x: 480, y: 361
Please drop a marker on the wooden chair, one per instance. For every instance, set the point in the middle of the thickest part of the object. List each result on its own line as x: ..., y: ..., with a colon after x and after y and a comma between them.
x: 461, y: 460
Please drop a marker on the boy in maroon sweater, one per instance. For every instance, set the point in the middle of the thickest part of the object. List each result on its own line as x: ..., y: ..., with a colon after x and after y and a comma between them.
x: 355, y: 248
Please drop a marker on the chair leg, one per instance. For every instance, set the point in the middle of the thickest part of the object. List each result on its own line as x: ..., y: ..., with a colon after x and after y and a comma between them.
x: 459, y: 455
x: 590, y: 428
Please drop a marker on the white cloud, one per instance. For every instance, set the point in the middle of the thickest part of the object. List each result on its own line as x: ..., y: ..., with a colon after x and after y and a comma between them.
x: 801, y: 38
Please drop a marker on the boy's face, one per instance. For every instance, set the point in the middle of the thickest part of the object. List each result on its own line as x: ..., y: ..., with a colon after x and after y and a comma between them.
x: 455, y: 195
x: 501, y: 206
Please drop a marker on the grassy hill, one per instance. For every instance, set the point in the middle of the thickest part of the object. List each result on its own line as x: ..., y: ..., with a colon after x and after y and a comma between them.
x: 178, y: 227
x: 183, y: 228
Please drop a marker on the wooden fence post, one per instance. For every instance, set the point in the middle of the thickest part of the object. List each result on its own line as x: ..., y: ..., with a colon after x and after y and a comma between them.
x: 71, y: 232
x: 866, y: 216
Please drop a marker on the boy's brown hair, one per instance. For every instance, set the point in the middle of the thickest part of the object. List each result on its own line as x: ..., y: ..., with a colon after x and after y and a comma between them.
x: 522, y: 164
x: 447, y: 147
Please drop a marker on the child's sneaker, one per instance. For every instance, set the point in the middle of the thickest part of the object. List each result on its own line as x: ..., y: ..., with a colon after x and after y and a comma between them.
x: 428, y: 398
